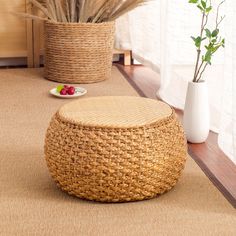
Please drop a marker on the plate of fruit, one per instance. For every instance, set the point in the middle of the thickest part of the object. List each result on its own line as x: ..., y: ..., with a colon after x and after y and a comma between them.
x: 66, y: 91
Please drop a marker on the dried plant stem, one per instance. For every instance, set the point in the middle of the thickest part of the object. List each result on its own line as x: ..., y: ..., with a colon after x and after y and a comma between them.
x: 41, y: 8
x: 67, y: 10
x: 62, y: 12
x: 126, y: 7
x: 95, y: 11
x: 26, y: 15
x: 51, y: 9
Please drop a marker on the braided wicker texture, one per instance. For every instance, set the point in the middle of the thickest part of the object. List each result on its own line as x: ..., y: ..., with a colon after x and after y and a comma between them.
x: 115, y: 149
x: 78, y: 52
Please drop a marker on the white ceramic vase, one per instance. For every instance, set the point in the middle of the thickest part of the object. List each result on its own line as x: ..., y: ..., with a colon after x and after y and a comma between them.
x: 196, y: 112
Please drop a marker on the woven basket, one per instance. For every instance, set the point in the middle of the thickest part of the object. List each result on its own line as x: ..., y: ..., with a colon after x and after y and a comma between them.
x: 78, y: 52
x: 115, y: 149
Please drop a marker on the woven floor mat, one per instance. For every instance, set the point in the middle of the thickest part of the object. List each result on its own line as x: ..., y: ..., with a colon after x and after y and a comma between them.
x: 31, y: 204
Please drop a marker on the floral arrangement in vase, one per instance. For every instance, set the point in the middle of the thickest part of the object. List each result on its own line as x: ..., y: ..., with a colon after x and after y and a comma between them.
x: 196, y: 111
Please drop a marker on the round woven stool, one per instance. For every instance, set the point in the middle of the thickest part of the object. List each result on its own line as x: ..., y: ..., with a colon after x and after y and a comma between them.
x: 115, y: 149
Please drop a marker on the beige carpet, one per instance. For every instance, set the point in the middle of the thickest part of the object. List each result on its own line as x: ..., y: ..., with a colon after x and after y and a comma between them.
x: 31, y: 204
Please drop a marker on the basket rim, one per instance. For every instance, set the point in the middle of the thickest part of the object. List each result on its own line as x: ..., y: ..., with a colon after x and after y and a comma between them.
x: 79, y: 23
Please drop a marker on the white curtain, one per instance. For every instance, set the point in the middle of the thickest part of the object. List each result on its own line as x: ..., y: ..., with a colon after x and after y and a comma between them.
x: 227, y: 134
x: 159, y: 36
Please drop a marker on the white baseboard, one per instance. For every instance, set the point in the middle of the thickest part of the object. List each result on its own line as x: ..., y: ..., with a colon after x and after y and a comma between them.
x: 135, y: 62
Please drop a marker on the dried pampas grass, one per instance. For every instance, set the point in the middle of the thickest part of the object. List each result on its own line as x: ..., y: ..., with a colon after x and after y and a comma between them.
x: 83, y: 11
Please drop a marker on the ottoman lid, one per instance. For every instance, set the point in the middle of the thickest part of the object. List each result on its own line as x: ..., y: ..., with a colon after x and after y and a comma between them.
x: 115, y: 112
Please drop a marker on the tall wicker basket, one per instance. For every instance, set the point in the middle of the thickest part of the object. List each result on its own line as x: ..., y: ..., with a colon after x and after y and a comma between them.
x: 78, y: 52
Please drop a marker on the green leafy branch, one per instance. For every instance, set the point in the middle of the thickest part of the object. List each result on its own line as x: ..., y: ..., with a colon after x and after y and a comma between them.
x: 211, y: 37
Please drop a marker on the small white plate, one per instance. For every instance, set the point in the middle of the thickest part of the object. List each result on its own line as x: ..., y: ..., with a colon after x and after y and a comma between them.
x: 78, y: 92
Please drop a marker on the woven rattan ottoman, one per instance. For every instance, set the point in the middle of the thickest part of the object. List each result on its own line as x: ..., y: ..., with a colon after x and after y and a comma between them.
x: 115, y: 149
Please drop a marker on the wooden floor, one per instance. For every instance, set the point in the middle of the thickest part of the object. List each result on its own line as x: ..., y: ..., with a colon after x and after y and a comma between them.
x: 215, y: 164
